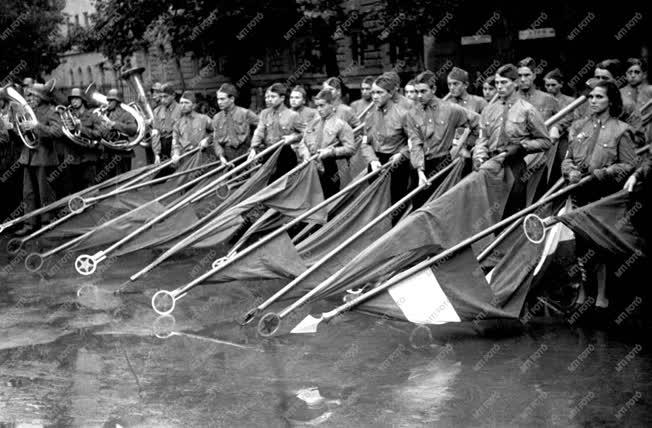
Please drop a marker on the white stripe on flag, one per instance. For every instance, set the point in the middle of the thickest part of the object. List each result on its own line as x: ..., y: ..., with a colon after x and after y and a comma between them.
x: 422, y: 300
x: 557, y: 233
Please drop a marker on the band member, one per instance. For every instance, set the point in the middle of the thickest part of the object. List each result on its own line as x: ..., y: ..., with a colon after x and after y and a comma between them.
x: 410, y: 92
x: 514, y: 127
x: 81, y: 161
x: 436, y: 123
x: 298, y: 100
x: 343, y: 111
x: 388, y: 127
x: 155, y: 94
x: 360, y: 105
x: 603, y: 146
x: 166, y: 114
x: 458, y: 83
x: 635, y: 95
x: 489, y: 88
x: 191, y: 130
x: 277, y: 122
x: 333, y: 139
x: 231, y: 125
x: 120, y: 123
x: 39, y: 163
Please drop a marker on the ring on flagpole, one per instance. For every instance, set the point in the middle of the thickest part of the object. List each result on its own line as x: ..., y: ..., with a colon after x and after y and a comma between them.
x: 33, y: 262
x: 534, y: 228
x: 269, y: 324
x: 14, y: 245
x: 76, y: 204
x: 163, y: 302
x: 85, y: 265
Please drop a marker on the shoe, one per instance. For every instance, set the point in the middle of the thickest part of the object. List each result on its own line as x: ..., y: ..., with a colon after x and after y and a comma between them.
x: 24, y: 230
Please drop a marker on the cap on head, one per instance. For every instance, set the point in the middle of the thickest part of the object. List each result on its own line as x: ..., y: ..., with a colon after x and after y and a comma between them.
x: 508, y: 71
x: 76, y: 93
x: 555, y: 74
x: 114, y: 94
x: 458, y: 74
x: 156, y: 87
x: 529, y: 63
x: 189, y: 96
x: 385, y: 82
x: 228, y: 89
x: 427, y: 77
x: 167, y: 89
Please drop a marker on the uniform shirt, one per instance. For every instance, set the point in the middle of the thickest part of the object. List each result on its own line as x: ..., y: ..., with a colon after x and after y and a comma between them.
x: 164, y: 119
x: 189, y: 130
x: 634, y: 98
x: 124, y: 122
x: 595, y: 145
x: 330, y: 132
x: 403, y: 101
x: 48, y: 133
x: 388, y: 129
x: 306, y: 114
x: 358, y: 106
x: 545, y: 103
x: 275, y: 124
x: 436, y: 124
x: 91, y: 128
x: 513, y: 121
x: 562, y: 101
x: 346, y: 113
x: 232, y: 128
x: 470, y: 102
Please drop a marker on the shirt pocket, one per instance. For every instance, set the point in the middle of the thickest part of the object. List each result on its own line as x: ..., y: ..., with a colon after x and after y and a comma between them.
x: 516, y: 125
x: 605, y: 154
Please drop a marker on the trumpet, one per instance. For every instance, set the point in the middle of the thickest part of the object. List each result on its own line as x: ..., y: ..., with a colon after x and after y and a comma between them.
x: 72, y: 127
x: 118, y: 141
x: 20, y: 119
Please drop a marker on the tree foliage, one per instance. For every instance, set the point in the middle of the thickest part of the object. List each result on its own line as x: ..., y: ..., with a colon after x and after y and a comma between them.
x: 29, y: 37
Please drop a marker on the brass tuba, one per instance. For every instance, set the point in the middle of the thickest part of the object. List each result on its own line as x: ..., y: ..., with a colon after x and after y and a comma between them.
x: 118, y: 141
x: 22, y: 116
x: 135, y: 78
x: 71, y: 127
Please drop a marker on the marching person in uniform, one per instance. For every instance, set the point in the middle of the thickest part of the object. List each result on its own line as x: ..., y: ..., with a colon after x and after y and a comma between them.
x: 411, y: 93
x: 333, y: 139
x: 191, y: 130
x: 545, y: 103
x: 298, y: 100
x: 118, y: 120
x: 82, y: 161
x: 437, y: 121
x: 166, y: 114
x: 489, y: 88
x: 343, y: 111
x: 231, y: 125
x: 603, y: 146
x: 635, y: 95
x: 514, y: 127
x: 458, y: 83
x: 360, y: 105
x: 397, y: 97
x: 278, y: 122
x: 39, y: 163
x: 609, y: 69
x: 387, y: 129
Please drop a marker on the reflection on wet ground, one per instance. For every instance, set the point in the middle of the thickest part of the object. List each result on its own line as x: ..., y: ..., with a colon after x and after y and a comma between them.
x: 89, y: 358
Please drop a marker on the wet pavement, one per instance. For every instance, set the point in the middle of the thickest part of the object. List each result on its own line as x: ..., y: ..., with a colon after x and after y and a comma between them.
x: 73, y: 354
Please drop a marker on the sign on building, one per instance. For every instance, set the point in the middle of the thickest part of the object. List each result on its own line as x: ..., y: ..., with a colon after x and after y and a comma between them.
x: 476, y: 39
x: 536, y: 33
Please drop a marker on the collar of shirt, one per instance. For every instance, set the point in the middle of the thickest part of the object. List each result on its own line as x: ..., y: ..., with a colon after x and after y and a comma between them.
x: 433, y: 104
x: 280, y: 109
x: 464, y: 98
x: 387, y: 107
x: 529, y: 93
x: 602, y: 119
x: 511, y: 100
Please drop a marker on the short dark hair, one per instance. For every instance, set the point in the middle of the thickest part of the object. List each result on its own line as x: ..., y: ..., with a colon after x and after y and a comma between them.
x: 411, y: 82
x: 325, y: 95
x: 613, y: 94
x: 427, y: 77
x: 302, y: 91
x: 278, y: 88
x: 613, y: 66
x: 369, y: 80
x: 637, y: 61
x: 491, y: 81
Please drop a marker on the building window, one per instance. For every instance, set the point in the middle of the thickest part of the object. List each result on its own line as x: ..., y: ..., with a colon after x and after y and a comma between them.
x: 80, y: 76
x: 76, y: 20
x: 72, y: 77
x: 86, y: 22
x: 89, y: 72
x: 357, y: 47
